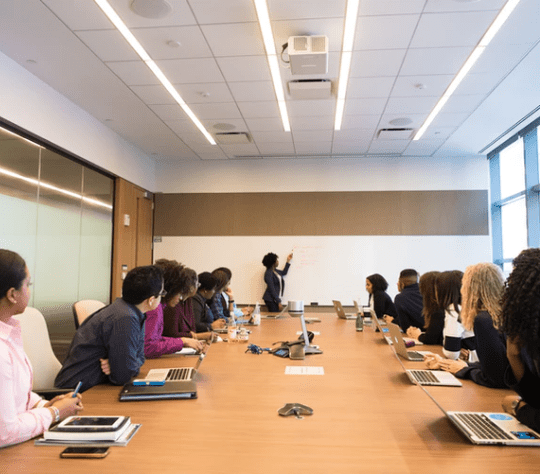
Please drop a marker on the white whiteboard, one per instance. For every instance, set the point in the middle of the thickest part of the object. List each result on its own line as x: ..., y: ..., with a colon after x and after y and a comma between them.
x: 324, y: 267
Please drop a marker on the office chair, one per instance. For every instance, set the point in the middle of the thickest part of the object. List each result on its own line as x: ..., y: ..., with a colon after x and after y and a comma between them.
x: 84, y: 308
x: 37, y: 345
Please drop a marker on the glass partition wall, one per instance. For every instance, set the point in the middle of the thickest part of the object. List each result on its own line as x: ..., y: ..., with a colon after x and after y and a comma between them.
x: 58, y: 215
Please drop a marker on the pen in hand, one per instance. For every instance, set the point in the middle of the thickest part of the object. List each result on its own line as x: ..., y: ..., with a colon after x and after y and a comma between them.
x: 77, y: 388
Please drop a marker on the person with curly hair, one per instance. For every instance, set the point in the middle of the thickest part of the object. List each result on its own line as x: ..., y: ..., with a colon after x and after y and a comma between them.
x: 481, y: 292
x: 380, y: 303
x: 175, y: 289
x: 275, y: 284
x: 520, y: 321
x: 432, y: 312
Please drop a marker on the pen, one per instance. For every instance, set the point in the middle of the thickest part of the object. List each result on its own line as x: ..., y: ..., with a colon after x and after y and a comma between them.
x: 77, y: 388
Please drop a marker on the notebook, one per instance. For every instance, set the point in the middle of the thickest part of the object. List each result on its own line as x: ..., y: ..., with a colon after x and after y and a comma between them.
x: 178, y: 383
x: 399, y: 344
x: 341, y: 313
x: 490, y: 428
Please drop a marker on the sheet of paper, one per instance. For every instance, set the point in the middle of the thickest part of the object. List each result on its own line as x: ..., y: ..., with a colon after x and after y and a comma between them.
x: 303, y: 370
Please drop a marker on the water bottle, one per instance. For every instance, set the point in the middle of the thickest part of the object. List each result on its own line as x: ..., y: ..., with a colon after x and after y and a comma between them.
x: 359, y: 322
x: 257, y: 315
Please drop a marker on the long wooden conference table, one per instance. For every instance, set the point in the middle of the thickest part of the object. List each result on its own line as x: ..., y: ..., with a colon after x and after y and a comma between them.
x: 368, y: 417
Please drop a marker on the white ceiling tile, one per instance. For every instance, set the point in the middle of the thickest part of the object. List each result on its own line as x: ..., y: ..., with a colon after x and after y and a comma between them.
x: 388, y: 146
x: 252, y: 91
x: 302, y: 9
x: 390, y: 7
x: 522, y: 26
x: 155, y: 42
x: 331, y: 27
x: 423, y: 147
x: 239, y: 150
x: 264, y: 124
x: 437, y: 133
x: 364, y: 106
x: 233, y: 125
x: 324, y: 122
x: 410, y: 105
x: 439, y: 30
x: 377, y: 63
x: 366, y: 122
x: 385, y: 32
x: 350, y: 147
x: 245, y: 68
x: 300, y: 136
x: 456, y: 6
x: 153, y: 94
x: 428, y: 61
x: 353, y: 135
x: 108, y: 45
x: 80, y: 15
x: 209, y: 92
x: 272, y: 137
x: 417, y: 120
x: 133, y: 73
x: 169, y: 111
x: 365, y: 87
x: 311, y: 108
x: 313, y: 148
x: 180, y: 15
x: 234, y: 39
x: 180, y: 71
x: 419, y: 86
x: 277, y: 148
x: 446, y: 119
x: 499, y: 59
x: 478, y: 83
x: 219, y: 11
x: 222, y: 110
x: 463, y: 103
x: 259, y: 109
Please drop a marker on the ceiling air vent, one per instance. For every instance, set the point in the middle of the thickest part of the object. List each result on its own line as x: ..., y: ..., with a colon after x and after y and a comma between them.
x: 395, y: 133
x: 233, y: 138
x: 310, y: 89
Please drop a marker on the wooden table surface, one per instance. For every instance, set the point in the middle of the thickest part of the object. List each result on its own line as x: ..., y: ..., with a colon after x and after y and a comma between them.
x: 367, y: 416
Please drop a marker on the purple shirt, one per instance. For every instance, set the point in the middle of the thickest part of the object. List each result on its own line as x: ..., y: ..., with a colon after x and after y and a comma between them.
x: 155, y: 344
x: 179, y: 321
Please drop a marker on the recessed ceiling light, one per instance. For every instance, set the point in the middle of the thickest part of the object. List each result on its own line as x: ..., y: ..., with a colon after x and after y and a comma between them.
x: 31, y: 61
x: 154, y: 9
x: 420, y: 86
x: 174, y: 43
x: 399, y: 122
x: 224, y: 126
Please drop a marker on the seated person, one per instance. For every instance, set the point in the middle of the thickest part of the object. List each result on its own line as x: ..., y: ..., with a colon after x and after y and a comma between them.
x: 23, y: 413
x: 219, y: 307
x: 432, y: 313
x: 520, y: 320
x: 180, y: 320
x: 155, y: 344
x: 408, y: 302
x: 204, y: 319
x: 113, y: 337
x: 380, y: 303
x: 240, y: 315
x: 481, y: 292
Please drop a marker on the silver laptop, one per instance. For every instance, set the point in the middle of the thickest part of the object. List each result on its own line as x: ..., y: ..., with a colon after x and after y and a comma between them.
x: 490, y: 428
x: 340, y: 311
x: 383, y: 329
x: 399, y: 344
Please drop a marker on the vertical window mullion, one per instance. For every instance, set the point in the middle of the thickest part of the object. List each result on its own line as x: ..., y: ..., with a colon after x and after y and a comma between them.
x: 496, y: 225
x: 530, y: 147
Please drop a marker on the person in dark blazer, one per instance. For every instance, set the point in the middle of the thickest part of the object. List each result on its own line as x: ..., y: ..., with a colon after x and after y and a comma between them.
x: 275, y: 284
x: 380, y: 303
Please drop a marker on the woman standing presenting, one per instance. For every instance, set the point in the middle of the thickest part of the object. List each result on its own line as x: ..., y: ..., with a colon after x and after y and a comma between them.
x: 23, y: 413
x: 275, y: 285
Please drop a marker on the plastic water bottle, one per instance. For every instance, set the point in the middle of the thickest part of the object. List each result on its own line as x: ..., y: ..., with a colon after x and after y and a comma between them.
x: 257, y: 315
x: 359, y: 322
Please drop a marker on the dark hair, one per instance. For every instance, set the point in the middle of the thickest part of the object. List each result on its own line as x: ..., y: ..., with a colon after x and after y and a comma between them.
x: 378, y: 283
x: 188, y: 281
x: 141, y: 283
x: 408, y: 277
x: 173, y: 282
x: 222, y: 278
x: 269, y: 260
x: 226, y: 270
x: 207, y: 281
x: 12, y: 271
x: 429, y: 300
x: 521, y: 302
x: 448, y: 285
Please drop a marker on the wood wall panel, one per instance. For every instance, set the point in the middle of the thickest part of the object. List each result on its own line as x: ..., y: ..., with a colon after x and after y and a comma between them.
x: 326, y: 213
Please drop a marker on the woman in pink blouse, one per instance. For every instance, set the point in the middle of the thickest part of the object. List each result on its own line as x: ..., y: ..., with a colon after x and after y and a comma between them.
x: 23, y: 413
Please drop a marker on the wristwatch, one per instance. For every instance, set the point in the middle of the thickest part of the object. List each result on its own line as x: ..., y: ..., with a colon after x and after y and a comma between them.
x: 515, y: 405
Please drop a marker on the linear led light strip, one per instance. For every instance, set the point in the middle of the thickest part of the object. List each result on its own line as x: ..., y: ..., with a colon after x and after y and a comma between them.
x: 351, y: 18
x: 124, y: 30
x: 268, y: 38
x: 477, y: 52
x: 41, y: 184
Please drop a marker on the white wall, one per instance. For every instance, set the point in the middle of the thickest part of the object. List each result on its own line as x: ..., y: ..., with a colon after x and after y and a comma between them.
x: 34, y: 106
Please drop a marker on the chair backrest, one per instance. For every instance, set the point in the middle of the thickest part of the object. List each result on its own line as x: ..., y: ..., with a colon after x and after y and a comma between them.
x: 84, y: 308
x: 37, y: 346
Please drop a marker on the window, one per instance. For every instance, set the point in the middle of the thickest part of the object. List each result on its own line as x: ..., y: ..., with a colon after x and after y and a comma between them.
x: 515, y: 179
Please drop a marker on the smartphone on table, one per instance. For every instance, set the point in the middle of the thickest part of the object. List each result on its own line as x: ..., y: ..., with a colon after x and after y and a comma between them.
x: 74, y: 452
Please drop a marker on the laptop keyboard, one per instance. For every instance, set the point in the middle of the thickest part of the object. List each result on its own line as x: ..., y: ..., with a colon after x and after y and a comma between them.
x: 183, y: 373
x: 415, y: 355
x: 482, y: 426
x: 424, y: 376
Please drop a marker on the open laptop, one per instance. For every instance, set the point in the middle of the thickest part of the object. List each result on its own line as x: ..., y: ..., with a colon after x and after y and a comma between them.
x: 490, y: 428
x: 279, y: 315
x: 383, y: 329
x: 341, y: 312
x: 399, y: 344
x: 176, y: 383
